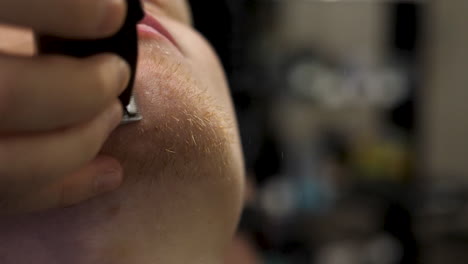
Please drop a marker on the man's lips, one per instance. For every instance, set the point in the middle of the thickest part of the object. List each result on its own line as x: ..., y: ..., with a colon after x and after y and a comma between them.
x: 152, y: 25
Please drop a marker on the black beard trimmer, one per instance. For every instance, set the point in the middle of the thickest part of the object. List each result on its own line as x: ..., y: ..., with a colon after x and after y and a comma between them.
x: 124, y: 43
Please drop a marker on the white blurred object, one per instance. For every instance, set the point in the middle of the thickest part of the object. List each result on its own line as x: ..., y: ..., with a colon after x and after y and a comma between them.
x: 277, y: 199
x: 383, y: 249
x: 344, y: 252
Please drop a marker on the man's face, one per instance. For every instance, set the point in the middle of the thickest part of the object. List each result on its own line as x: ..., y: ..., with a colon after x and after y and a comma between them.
x: 181, y: 196
x: 169, y: 71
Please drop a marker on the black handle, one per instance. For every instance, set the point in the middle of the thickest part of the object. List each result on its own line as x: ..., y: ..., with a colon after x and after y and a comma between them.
x: 124, y: 43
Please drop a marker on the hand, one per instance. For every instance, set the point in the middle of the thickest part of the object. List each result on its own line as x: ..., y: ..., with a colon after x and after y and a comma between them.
x: 56, y: 112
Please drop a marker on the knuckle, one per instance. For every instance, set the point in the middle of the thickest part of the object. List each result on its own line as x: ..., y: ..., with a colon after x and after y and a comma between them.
x: 102, y: 86
x: 96, y: 94
x: 102, y: 76
x: 96, y: 18
x: 85, y: 17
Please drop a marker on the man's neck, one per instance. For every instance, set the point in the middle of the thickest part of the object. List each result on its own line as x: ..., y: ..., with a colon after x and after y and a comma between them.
x: 70, y: 235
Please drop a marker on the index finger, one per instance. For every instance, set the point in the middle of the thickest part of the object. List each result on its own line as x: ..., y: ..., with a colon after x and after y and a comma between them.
x: 66, y: 18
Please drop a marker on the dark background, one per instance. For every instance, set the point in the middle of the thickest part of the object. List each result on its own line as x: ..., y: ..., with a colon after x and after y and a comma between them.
x: 319, y: 193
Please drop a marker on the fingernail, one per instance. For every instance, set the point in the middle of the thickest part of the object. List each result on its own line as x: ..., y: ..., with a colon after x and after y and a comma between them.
x: 109, y: 180
x: 113, y: 15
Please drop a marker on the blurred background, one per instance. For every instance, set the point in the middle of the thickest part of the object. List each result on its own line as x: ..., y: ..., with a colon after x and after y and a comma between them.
x: 353, y: 121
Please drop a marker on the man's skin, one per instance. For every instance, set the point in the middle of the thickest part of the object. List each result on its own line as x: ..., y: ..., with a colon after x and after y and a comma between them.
x: 182, y: 192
